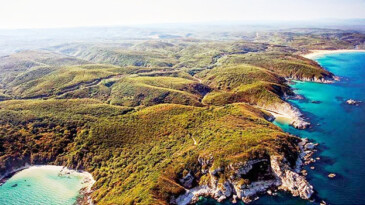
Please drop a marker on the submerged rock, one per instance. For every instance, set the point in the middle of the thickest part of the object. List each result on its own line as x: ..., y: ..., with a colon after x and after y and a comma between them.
x: 331, y: 175
x: 353, y: 102
x: 300, y: 124
x: 297, y: 97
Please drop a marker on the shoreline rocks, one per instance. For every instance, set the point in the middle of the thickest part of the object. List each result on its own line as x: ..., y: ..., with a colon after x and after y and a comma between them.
x: 286, y: 110
x: 326, y: 79
x: 283, y: 177
x: 300, y: 124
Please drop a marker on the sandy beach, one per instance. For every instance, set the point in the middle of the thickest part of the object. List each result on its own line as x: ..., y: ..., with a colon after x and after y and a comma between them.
x: 316, y: 53
x: 88, y: 179
x: 286, y: 119
x: 45, y: 184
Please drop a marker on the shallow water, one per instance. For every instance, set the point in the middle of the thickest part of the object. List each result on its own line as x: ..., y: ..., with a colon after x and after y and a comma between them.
x: 41, y: 185
x: 338, y: 127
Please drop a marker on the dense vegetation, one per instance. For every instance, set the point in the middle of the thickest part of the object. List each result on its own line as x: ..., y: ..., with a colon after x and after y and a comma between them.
x: 135, y: 156
x: 139, y: 114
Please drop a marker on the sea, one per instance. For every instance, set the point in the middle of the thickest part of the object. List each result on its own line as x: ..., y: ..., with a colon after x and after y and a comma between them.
x: 41, y: 185
x: 339, y: 129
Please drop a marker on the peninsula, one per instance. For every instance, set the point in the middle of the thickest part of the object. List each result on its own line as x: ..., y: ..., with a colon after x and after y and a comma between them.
x: 166, y: 120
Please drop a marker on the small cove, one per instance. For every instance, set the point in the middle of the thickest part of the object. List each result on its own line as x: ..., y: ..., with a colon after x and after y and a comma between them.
x: 44, y: 185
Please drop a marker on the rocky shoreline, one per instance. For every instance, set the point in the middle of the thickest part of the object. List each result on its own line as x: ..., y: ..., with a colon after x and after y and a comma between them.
x: 280, y: 177
x: 283, y: 176
x: 289, y: 112
x: 327, y: 79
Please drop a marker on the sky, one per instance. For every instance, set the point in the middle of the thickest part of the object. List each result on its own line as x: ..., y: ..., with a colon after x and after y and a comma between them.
x: 83, y: 13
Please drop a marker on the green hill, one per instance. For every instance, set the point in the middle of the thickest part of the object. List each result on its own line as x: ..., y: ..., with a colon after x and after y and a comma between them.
x: 135, y: 156
x: 283, y: 64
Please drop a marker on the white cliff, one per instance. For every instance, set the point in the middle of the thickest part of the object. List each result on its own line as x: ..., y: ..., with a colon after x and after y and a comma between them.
x: 283, y: 177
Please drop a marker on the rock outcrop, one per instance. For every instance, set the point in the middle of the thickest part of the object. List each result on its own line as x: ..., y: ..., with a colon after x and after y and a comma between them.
x: 287, y: 110
x: 353, y: 102
x: 277, y: 173
x: 290, y: 180
x: 326, y: 79
x: 299, y: 123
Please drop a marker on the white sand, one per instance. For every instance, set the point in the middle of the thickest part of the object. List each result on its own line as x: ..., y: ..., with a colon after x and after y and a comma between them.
x: 282, y: 118
x: 88, y: 180
x: 316, y: 53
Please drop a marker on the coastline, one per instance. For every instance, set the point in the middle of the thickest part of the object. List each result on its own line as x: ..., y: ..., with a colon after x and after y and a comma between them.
x: 87, y: 179
x: 287, y: 113
x: 285, y: 178
x: 296, y: 119
x: 316, y: 53
x: 282, y: 117
x: 292, y: 180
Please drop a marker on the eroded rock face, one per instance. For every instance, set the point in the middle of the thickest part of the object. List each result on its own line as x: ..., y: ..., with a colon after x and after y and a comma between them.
x: 237, y: 187
x: 326, y: 79
x: 244, y: 168
x: 290, y: 180
x: 187, y: 181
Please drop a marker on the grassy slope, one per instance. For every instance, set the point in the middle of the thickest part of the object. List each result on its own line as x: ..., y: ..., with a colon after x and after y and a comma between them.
x: 46, y: 81
x: 14, y: 64
x: 135, y: 156
x: 283, y: 64
x: 155, y: 90
x: 243, y: 83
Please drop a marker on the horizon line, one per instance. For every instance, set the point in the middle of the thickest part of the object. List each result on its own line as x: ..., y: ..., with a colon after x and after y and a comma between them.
x: 232, y: 22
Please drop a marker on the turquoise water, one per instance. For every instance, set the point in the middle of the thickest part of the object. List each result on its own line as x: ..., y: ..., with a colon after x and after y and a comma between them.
x: 41, y: 185
x: 338, y: 127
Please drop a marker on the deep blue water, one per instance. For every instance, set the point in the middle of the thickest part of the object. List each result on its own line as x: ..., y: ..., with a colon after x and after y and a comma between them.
x: 338, y: 128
